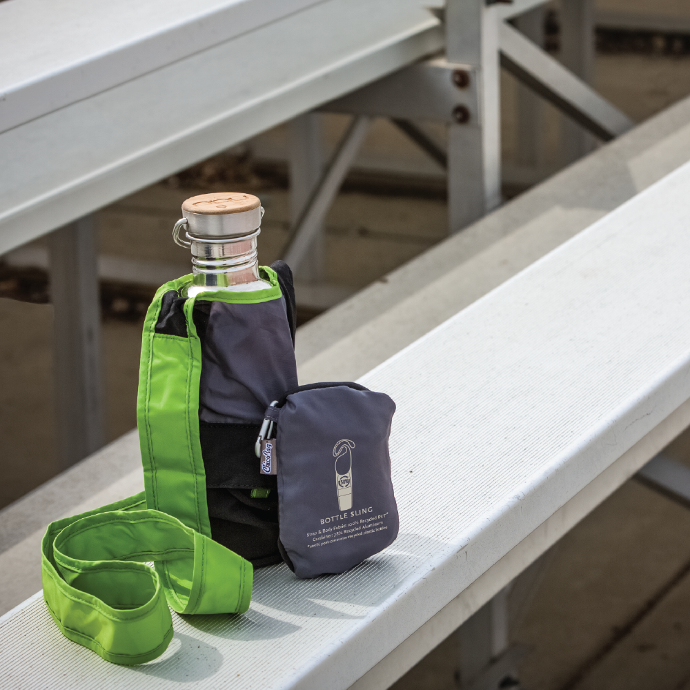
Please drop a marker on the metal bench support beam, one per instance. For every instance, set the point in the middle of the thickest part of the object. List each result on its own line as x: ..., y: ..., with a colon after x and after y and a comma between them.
x: 486, y: 659
x: 463, y: 90
x: 484, y: 653
x: 305, y: 172
x: 559, y: 86
x: 77, y: 349
x: 668, y: 477
x: 530, y: 109
x: 474, y: 145
x: 577, y: 55
x: 314, y: 213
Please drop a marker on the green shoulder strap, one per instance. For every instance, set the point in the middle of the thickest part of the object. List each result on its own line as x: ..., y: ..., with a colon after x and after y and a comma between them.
x: 102, y: 594
x: 97, y: 583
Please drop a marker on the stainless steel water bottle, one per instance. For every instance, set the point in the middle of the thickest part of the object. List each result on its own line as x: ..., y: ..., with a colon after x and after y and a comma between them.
x: 244, y: 318
x: 221, y: 231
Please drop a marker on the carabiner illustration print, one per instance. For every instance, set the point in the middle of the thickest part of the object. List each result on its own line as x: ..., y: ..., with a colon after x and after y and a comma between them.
x: 342, y: 451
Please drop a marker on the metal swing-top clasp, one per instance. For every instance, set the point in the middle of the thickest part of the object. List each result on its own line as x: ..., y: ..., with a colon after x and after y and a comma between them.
x: 182, y: 223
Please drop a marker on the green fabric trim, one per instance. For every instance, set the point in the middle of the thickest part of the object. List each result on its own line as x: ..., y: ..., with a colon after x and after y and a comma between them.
x: 102, y: 595
x: 167, y: 404
x: 168, y: 398
x: 253, y: 297
x: 260, y: 493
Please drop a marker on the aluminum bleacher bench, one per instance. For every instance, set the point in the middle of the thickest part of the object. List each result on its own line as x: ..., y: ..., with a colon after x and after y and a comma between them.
x: 129, y: 94
x: 97, y: 103
x: 516, y: 417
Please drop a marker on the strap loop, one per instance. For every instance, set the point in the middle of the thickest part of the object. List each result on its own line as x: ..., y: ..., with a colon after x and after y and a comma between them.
x: 102, y: 593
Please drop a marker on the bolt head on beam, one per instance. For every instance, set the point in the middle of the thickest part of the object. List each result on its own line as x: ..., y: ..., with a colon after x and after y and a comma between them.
x: 461, y: 114
x: 461, y: 78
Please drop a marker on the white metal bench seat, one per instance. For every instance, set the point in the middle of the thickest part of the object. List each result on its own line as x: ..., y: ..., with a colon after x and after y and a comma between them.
x: 95, y: 105
x: 108, y: 123
x: 76, y: 52
x: 515, y: 418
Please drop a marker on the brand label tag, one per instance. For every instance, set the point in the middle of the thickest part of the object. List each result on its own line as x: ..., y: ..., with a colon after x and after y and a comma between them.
x: 269, y: 460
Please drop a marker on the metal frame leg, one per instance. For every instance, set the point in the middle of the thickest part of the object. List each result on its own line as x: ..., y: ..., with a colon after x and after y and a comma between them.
x: 530, y: 109
x: 577, y: 54
x: 77, y: 359
x: 315, y: 211
x: 474, y: 146
x: 668, y: 477
x: 476, y: 648
x: 486, y: 658
x: 306, y: 165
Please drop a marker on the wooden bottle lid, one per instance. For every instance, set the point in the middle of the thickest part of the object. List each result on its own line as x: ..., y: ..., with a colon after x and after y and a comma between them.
x: 221, y: 203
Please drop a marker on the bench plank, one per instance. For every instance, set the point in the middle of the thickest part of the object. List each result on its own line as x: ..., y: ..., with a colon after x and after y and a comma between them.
x: 83, y: 156
x: 61, y: 51
x: 506, y: 412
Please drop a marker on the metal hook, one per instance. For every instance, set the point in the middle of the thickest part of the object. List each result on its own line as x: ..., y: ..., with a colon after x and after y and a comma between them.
x: 264, y: 433
x: 176, y: 233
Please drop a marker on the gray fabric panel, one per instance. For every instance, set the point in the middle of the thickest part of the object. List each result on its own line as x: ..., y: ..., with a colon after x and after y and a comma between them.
x: 247, y: 361
x: 272, y: 413
x: 335, y: 496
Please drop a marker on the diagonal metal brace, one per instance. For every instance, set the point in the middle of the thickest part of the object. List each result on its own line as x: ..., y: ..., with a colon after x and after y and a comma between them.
x: 668, y: 477
x: 547, y: 77
x: 315, y: 211
x: 426, y: 143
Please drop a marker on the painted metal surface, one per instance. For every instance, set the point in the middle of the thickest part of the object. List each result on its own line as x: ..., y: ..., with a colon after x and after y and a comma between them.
x: 424, y: 91
x: 667, y: 476
x: 506, y: 412
x: 521, y: 557
x: 305, y: 168
x: 473, y: 176
x: 77, y: 365
x: 577, y: 48
x: 554, y: 82
x: 58, y: 52
x: 314, y: 213
x: 87, y: 154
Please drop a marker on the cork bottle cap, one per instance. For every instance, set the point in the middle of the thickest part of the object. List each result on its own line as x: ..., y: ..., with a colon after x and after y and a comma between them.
x: 221, y: 203
x: 222, y: 214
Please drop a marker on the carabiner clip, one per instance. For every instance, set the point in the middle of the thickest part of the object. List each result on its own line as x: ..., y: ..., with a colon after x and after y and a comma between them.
x: 183, y: 222
x: 264, y: 433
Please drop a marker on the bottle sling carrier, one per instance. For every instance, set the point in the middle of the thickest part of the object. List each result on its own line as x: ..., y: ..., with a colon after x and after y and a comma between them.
x: 217, y: 375
x: 97, y: 583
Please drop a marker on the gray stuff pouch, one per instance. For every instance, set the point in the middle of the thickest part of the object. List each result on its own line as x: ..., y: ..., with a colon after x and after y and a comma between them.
x: 336, y: 505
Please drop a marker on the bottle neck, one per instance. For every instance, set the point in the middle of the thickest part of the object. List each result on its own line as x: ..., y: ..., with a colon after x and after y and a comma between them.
x: 225, y: 264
